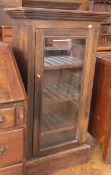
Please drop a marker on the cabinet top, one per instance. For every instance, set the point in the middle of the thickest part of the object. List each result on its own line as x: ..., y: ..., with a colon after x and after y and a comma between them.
x: 11, y: 87
x: 56, y: 14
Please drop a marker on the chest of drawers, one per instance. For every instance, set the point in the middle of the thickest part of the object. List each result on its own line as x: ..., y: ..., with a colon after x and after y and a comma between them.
x: 12, y: 115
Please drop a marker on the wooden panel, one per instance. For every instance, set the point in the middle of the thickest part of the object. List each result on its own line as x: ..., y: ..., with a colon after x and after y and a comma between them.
x: 100, y: 107
x: 7, y: 118
x: 58, y: 161
x: 12, y: 117
x: 87, y: 86
x: 9, y: 77
x: 71, y: 1
x: 12, y: 170
x: 56, y: 14
x: 11, y: 147
x: 52, y: 5
x: 38, y: 85
x: 70, y: 4
x: 21, y: 111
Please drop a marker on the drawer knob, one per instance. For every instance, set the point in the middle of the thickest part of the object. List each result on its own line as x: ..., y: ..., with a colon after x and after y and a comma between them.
x: 2, y: 149
x: 38, y: 76
x: 2, y: 120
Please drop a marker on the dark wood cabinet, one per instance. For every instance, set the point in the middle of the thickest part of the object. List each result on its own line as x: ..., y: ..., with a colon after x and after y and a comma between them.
x: 100, y: 124
x: 55, y: 50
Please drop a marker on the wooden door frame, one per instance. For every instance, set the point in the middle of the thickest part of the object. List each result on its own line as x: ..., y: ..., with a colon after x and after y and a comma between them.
x: 88, y: 74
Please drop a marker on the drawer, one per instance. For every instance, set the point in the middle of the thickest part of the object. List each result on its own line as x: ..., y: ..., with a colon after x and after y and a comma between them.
x: 11, y: 117
x: 12, y: 170
x: 11, y: 147
x: 7, y: 118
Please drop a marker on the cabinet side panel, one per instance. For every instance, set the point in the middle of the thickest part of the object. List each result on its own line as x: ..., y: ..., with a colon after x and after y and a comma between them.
x: 24, y: 49
x: 89, y: 67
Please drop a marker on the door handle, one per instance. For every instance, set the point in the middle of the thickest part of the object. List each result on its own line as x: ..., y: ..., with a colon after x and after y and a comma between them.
x: 38, y: 76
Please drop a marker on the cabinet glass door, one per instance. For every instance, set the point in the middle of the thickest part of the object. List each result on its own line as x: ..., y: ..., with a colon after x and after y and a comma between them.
x: 61, y: 89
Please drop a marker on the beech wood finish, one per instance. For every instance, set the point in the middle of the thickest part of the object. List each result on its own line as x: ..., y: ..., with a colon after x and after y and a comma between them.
x: 30, y: 26
x: 12, y: 170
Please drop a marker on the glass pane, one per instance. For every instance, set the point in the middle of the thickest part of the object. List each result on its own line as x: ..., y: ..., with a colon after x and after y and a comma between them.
x: 63, y: 67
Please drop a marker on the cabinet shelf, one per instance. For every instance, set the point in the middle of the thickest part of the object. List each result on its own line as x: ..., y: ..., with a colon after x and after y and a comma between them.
x: 61, y: 62
x: 57, y: 123
x: 105, y: 34
x: 59, y: 93
x: 56, y: 48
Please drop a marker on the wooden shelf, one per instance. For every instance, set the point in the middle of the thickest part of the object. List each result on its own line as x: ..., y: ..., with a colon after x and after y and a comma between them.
x: 61, y: 62
x: 105, y: 34
x: 59, y: 93
x: 104, y: 48
x: 57, y: 123
x: 55, y: 48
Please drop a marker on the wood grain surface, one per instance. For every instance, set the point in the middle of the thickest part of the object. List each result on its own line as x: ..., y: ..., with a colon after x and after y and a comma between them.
x: 95, y: 166
x: 12, y: 143
x: 9, y: 77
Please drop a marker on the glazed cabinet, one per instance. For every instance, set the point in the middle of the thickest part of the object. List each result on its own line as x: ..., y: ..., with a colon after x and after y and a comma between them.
x: 60, y: 73
x: 55, y: 51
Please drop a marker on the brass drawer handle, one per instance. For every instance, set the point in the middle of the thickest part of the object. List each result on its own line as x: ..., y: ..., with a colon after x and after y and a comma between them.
x: 2, y: 149
x: 2, y: 120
